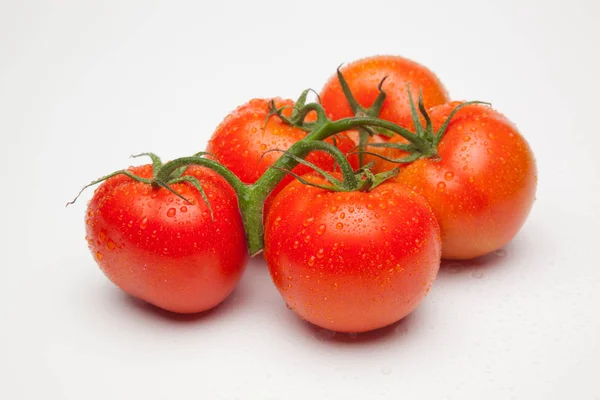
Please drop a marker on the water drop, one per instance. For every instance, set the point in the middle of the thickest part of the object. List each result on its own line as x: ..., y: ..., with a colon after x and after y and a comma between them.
x: 339, y: 225
x: 277, y: 221
x: 308, y: 221
x: 441, y: 186
x: 449, y: 175
x: 320, y: 253
x: 307, y: 238
x: 171, y: 212
x: 110, y: 245
x: 311, y: 261
x: 325, y: 334
x: 333, y: 209
x: 183, y: 209
x: 99, y: 255
x: 321, y: 229
x: 263, y: 146
x: 144, y: 223
x: 477, y: 274
x: 466, y: 138
x: 295, y: 246
x: 342, y: 215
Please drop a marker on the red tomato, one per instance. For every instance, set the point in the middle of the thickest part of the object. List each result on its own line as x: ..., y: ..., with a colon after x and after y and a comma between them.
x: 484, y: 186
x: 363, y: 77
x: 161, y: 249
x: 242, y: 138
x: 351, y: 261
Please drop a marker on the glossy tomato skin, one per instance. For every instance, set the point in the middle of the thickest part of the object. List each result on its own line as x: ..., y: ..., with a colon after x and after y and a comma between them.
x: 363, y: 77
x: 240, y: 141
x: 484, y: 186
x: 352, y: 261
x: 161, y: 249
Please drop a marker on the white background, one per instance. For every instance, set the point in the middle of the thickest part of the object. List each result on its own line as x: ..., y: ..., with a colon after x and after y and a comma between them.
x: 84, y: 84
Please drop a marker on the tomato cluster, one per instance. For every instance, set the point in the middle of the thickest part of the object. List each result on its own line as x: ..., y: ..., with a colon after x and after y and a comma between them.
x: 354, y: 199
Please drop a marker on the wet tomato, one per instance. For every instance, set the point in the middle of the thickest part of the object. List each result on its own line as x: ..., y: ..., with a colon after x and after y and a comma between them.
x: 351, y: 261
x: 166, y: 251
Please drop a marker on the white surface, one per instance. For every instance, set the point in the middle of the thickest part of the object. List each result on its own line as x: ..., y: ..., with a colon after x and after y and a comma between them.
x: 85, y: 84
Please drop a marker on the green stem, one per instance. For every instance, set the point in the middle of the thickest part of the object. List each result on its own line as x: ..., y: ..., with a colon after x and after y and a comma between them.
x: 166, y: 171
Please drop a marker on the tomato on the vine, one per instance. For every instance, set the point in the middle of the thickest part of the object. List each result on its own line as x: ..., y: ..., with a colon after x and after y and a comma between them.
x: 483, y: 187
x: 164, y: 250
x: 364, y: 76
x: 351, y: 261
x: 242, y: 141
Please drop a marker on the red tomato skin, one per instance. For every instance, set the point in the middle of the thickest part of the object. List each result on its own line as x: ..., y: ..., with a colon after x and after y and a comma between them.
x: 354, y: 261
x: 242, y: 138
x: 363, y: 77
x: 161, y: 249
x: 484, y: 186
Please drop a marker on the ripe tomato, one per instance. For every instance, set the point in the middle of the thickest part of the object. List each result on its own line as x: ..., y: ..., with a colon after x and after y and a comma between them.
x: 484, y: 186
x: 363, y: 77
x: 242, y: 138
x: 351, y: 261
x: 161, y: 249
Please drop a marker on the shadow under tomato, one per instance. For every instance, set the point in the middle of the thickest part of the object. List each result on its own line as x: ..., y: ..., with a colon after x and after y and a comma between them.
x: 377, y: 336
x: 478, y: 267
x: 153, y: 311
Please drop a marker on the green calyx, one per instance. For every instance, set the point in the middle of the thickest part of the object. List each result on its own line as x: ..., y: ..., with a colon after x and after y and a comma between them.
x: 426, y: 147
x: 166, y: 175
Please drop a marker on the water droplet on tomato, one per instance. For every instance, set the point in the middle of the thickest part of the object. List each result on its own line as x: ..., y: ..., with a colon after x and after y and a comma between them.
x: 342, y: 215
x: 99, y: 255
x: 370, y: 206
x: 321, y: 229
x: 263, y: 146
x: 491, y: 136
x: 321, y: 253
x: 307, y: 238
x: 144, y: 223
x: 110, y: 245
x: 171, y: 212
x: 466, y: 138
x: 295, y: 246
x: 333, y: 209
x: 449, y: 175
x: 311, y: 261
x: 183, y: 209
x: 471, y: 179
x: 308, y: 221
x: 277, y: 221
x: 441, y: 186
x: 384, y: 229
x: 339, y: 225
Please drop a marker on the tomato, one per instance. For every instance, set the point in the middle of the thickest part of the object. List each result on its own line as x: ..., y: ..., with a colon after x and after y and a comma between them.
x: 166, y: 251
x: 484, y: 186
x: 351, y: 261
x: 363, y: 77
x: 243, y: 138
